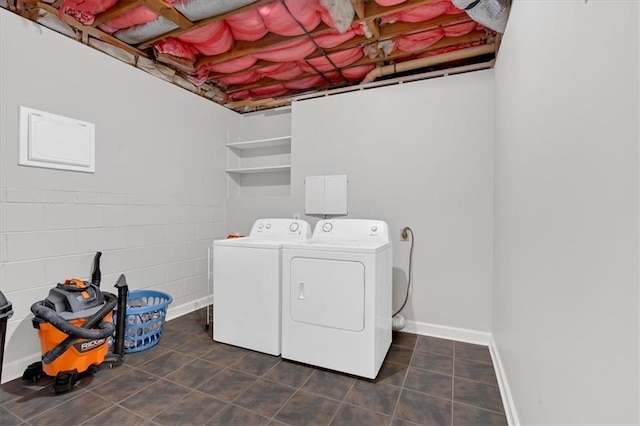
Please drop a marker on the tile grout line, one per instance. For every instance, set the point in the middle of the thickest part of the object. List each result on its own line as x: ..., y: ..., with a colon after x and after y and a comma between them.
x: 453, y: 375
x: 404, y: 380
x: 342, y: 401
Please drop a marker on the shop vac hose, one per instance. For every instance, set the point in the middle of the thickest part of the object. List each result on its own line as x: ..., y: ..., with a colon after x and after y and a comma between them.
x: 74, y: 332
x: 105, y: 329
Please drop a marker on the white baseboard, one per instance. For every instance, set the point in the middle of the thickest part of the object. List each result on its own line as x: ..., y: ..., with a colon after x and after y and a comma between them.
x: 445, y: 332
x: 503, y: 384
x: 14, y: 369
x: 177, y: 311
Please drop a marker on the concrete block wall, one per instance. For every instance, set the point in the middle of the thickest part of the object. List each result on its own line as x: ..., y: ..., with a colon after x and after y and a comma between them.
x: 154, y: 204
x: 47, y: 236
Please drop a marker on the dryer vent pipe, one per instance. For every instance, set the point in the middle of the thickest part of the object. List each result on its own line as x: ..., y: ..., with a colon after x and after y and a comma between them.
x: 398, y: 323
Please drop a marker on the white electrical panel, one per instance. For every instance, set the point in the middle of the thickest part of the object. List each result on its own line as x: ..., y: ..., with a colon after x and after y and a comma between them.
x: 56, y: 142
x: 326, y: 195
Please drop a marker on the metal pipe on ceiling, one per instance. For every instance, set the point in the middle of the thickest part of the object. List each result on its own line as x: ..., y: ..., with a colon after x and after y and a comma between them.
x: 428, y: 61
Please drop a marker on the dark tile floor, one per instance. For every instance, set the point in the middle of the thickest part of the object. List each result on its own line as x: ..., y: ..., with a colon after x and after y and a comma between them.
x: 190, y: 379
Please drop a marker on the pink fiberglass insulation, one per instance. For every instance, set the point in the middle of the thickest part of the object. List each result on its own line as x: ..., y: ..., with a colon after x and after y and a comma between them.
x: 387, y: 3
x: 334, y: 76
x: 421, y: 13
x: 230, y: 66
x: 174, y: 47
x: 285, y: 71
x: 238, y: 96
x: 282, y: 20
x: 357, y: 73
x: 418, y: 41
x: 295, y: 50
x: 247, y: 26
x: 137, y: 16
x: 304, y: 83
x: 244, y: 78
x: 461, y: 29
x: 421, y: 41
x: 85, y: 11
x: 340, y: 59
x: 333, y: 39
x: 449, y: 49
x: 212, y: 39
x: 271, y: 90
x: 216, y: 46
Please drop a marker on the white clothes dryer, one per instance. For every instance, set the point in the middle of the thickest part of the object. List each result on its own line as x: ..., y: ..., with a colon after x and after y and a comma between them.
x: 337, y: 297
x: 247, y: 289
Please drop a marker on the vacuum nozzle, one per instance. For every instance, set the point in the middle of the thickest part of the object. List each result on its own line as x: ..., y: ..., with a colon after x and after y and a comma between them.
x: 96, y: 275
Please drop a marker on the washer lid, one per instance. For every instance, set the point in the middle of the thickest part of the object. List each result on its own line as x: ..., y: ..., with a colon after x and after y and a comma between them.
x: 343, y: 246
x: 249, y: 242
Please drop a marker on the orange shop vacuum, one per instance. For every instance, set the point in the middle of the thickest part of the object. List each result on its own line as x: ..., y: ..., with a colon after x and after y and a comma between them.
x: 74, y: 325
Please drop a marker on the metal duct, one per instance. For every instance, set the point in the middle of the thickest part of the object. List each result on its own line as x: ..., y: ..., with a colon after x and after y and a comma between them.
x: 492, y: 14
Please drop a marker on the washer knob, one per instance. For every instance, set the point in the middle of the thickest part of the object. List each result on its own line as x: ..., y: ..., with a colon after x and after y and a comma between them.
x: 261, y: 226
x: 374, y: 228
x: 268, y: 226
x: 327, y: 227
x: 294, y: 226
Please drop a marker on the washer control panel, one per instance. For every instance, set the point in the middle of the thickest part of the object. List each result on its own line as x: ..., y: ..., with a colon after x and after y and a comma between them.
x: 351, y: 229
x: 288, y: 229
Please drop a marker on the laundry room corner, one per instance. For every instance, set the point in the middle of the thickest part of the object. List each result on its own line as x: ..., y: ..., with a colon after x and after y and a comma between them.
x: 152, y: 206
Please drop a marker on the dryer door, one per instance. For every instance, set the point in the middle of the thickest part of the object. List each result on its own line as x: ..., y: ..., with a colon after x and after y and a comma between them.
x: 327, y: 292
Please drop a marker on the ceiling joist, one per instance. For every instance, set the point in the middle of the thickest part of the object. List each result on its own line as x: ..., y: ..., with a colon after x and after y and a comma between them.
x: 120, y: 8
x: 167, y: 11
x: 86, y: 30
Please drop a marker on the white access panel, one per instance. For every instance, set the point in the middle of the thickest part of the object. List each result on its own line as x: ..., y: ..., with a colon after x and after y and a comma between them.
x: 314, y: 195
x: 326, y: 195
x: 335, y: 194
x: 56, y: 142
x: 328, y: 293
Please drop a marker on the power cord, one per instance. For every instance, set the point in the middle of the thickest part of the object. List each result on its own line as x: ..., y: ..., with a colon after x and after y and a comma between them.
x: 405, y: 233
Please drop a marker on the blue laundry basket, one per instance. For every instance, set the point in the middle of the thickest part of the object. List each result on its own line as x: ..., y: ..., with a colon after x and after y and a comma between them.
x: 145, y: 318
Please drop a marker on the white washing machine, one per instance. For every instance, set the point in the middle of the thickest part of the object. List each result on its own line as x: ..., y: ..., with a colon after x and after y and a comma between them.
x: 247, y: 290
x: 337, y: 296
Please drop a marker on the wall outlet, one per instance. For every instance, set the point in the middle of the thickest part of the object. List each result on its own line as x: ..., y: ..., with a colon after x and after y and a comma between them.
x: 404, y: 234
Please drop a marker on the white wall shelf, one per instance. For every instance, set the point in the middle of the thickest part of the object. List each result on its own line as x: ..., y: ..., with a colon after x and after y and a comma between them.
x: 266, y: 169
x: 269, y: 155
x: 259, y: 167
x: 261, y: 143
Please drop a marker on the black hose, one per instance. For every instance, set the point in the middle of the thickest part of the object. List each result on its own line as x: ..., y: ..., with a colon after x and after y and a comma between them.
x: 85, y: 332
x: 409, y: 279
x: 105, y: 328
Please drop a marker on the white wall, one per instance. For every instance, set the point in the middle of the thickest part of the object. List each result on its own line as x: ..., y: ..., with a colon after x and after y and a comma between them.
x: 252, y: 197
x: 565, y: 297
x: 152, y: 206
x: 418, y: 155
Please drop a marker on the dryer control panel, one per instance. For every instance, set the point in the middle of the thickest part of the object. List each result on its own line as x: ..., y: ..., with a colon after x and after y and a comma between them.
x: 351, y: 230
x: 294, y: 229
